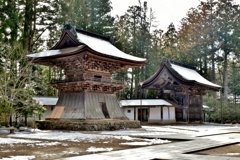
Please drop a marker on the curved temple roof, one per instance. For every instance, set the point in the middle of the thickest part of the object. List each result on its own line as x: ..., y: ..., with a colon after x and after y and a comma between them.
x: 184, y: 73
x: 105, y: 47
x: 54, y: 52
x: 80, y: 39
x: 192, y: 75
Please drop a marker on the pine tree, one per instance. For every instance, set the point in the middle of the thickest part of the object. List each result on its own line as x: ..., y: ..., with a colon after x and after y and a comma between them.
x: 134, y: 32
x: 10, y: 21
x: 93, y: 16
x: 228, y: 18
x: 170, y: 43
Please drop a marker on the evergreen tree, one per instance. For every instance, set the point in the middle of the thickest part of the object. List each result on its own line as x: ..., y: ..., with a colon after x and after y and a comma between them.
x: 170, y: 42
x: 228, y: 19
x: 234, y: 81
x: 93, y: 16
x: 134, y: 32
x: 209, y: 34
x: 10, y: 19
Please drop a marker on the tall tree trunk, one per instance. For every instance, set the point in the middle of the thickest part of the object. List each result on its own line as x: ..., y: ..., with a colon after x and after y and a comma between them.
x: 27, y: 31
x: 131, y: 89
x: 213, y: 69
x: 225, y: 78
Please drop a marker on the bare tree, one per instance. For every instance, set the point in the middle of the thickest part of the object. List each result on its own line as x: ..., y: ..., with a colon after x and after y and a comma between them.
x: 15, y: 80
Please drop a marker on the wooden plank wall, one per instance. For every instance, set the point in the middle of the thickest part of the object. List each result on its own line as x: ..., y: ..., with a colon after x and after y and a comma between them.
x: 74, y: 105
x: 92, y: 102
x: 113, y: 107
x: 56, y: 113
x: 94, y: 110
x: 86, y: 105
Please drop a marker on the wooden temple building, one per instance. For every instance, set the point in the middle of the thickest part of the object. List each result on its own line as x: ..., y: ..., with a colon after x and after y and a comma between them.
x: 83, y: 64
x: 181, y: 85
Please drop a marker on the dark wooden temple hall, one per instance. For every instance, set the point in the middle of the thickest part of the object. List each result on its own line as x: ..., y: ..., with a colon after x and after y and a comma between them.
x: 83, y: 64
x: 183, y: 85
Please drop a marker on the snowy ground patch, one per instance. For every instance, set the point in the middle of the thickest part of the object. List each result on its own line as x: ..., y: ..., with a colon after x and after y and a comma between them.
x: 147, y: 142
x: 16, y: 141
x: 142, y: 132
x: 48, y: 144
x: 200, y: 128
x: 73, y: 136
x: 19, y: 158
x: 94, y: 149
x: 61, y: 136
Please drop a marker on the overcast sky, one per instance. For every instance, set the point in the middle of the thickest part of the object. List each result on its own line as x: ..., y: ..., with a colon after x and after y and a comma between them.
x: 166, y: 11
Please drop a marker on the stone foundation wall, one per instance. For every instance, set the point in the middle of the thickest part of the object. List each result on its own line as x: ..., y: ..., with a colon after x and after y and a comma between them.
x: 87, y: 125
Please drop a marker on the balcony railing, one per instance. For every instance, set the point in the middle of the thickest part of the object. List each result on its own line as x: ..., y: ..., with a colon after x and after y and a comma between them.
x: 93, y: 79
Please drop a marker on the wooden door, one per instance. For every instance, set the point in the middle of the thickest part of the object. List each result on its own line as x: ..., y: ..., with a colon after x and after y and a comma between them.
x: 104, y: 109
x: 142, y: 114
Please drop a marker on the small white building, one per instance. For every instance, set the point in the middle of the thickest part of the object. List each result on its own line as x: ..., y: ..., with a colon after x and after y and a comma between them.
x: 149, y: 110
x: 49, y: 104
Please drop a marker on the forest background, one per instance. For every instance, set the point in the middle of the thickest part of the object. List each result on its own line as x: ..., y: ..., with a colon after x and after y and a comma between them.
x: 208, y: 38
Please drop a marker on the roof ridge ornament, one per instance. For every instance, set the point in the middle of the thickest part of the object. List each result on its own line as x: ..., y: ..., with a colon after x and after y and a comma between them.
x: 70, y: 28
x: 179, y: 64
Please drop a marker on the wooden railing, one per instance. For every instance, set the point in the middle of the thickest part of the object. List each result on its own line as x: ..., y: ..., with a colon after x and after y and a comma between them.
x: 93, y: 79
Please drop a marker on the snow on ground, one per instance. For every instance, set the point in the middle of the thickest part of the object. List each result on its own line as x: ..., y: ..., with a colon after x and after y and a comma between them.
x: 148, y: 142
x: 94, y: 149
x: 19, y: 158
x: 141, y: 132
x: 48, y: 144
x: 76, y: 136
x: 168, y: 129
x: 200, y: 128
x: 15, y: 141
x: 193, y: 130
x: 73, y: 136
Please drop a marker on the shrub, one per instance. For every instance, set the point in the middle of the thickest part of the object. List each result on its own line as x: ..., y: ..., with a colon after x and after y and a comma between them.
x: 234, y: 122
x: 228, y: 121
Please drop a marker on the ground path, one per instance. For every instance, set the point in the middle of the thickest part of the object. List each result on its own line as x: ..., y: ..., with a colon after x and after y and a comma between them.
x: 179, y: 150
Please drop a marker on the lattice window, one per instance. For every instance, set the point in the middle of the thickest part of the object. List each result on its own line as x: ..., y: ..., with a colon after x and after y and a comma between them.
x: 95, y: 88
x: 106, y: 88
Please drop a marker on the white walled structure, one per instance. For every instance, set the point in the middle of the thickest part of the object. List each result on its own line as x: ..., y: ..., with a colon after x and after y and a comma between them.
x: 156, y: 110
x: 129, y: 112
x: 172, y: 116
x: 155, y: 114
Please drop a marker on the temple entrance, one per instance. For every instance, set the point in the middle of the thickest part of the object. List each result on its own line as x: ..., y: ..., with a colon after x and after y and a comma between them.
x: 142, y: 115
x: 195, y: 108
x: 104, y: 109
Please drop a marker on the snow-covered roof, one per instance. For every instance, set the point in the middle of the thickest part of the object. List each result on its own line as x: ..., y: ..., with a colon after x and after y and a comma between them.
x: 105, y: 47
x: 191, y: 74
x: 54, y: 52
x: 81, y: 38
x: 46, y: 101
x: 144, y: 102
x: 205, y: 107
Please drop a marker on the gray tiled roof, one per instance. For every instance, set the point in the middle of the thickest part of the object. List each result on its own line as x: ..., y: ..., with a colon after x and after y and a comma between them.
x: 46, y: 101
x: 144, y: 102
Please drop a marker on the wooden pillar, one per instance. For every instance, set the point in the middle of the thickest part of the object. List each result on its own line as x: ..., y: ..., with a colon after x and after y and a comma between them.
x: 134, y: 113
x: 168, y: 114
x: 84, y: 103
x: 161, y: 112
x: 186, y: 103
x: 201, y: 103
